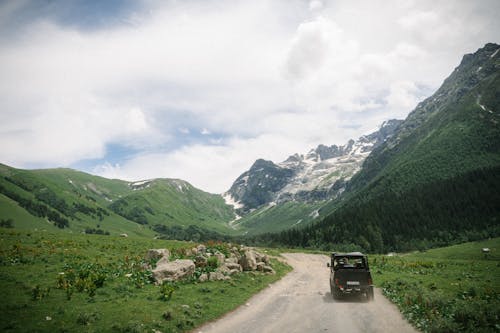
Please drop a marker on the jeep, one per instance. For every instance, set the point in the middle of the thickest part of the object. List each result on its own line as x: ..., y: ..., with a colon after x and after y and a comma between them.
x: 350, y: 274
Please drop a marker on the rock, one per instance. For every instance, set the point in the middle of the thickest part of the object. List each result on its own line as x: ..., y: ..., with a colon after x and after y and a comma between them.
x: 230, y: 269
x: 268, y: 269
x: 157, y: 254
x: 261, y: 257
x: 123, y: 235
x: 200, y: 261
x: 217, y: 276
x: 233, y: 266
x: 194, y: 251
x: 260, y: 266
x: 173, y: 271
x: 248, y: 261
x: 265, y: 259
x: 201, y: 249
x: 203, y: 277
x: 232, y: 259
x: 162, y: 261
x: 220, y: 257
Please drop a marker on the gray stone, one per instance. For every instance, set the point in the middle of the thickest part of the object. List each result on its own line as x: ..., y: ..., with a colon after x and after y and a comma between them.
x: 232, y: 266
x: 200, y: 261
x: 260, y: 266
x: 201, y: 249
x: 269, y: 269
x: 173, y: 271
x: 157, y: 254
x: 248, y: 261
x: 220, y: 257
x: 203, y: 277
x: 217, y: 276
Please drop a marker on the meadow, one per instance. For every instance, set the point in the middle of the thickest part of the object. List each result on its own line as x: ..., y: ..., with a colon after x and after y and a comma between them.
x: 61, y: 282
x: 450, y: 289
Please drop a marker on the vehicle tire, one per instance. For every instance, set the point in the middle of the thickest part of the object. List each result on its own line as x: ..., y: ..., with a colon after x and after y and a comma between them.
x: 369, y: 294
x: 335, y: 294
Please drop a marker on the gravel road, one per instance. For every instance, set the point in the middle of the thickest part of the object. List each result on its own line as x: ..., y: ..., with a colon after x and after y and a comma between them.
x: 301, y: 302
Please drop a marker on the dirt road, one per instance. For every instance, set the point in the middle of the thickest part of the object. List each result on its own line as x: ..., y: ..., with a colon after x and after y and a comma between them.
x: 301, y: 302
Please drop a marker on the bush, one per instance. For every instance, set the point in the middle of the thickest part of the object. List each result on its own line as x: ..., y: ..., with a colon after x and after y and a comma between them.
x: 8, y: 223
x: 166, y: 290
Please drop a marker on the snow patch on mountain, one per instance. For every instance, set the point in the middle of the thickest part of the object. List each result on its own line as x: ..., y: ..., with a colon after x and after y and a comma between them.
x: 320, y: 174
x: 231, y: 202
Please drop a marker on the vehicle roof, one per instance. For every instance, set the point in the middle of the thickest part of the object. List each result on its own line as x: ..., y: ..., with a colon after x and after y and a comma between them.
x: 349, y: 254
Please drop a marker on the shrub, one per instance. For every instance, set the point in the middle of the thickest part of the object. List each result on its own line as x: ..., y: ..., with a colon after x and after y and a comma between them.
x: 166, y: 290
x: 212, y: 262
x: 8, y: 223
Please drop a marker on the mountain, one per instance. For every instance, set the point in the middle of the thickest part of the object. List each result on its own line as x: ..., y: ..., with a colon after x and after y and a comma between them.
x: 272, y: 197
x: 76, y: 201
x: 436, y: 180
x: 318, y: 175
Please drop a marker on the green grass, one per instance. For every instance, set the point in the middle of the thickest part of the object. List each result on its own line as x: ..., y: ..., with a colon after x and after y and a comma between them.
x: 451, y: 289
x: 279, y: 217
x: 37, y: 298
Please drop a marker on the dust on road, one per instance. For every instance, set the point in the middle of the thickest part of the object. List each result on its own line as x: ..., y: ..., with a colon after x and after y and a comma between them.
x: 301, y: 302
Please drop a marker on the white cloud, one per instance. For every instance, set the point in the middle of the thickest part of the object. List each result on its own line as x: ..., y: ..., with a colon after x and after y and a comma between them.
x: 315, y: 5
x: 240, y: 79
x: 403, y: 96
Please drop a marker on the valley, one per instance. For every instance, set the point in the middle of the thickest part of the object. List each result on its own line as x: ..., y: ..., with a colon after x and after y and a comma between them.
x: 429, y: 181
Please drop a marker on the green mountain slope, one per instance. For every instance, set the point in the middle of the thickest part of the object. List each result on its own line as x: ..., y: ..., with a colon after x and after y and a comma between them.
x: 436, y: 181
x: 278, y: 217
x: 74, y: 201
x: 174, y: 202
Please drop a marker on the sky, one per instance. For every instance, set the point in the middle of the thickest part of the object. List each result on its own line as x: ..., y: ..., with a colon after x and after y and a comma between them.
x: 200, y: 89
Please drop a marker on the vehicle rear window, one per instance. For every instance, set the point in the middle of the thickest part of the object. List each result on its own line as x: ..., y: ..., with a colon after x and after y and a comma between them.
x: 349, y: 262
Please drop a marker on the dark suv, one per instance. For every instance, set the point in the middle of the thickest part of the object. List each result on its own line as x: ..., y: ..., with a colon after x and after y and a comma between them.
x: 350, y: 274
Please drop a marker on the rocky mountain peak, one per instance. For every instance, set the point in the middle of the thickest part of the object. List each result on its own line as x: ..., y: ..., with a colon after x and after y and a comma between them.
x: 317, y: 175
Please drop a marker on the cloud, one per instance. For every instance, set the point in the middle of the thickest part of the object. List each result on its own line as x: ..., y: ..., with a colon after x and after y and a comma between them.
x: 315, y: 5
x: 200, y: 89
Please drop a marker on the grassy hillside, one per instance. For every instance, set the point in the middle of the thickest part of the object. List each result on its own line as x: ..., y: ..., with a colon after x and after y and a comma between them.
x: 113, y: 291
x: 279, y: 217
x: 65, y: 199
x: 174, y: 202
x: 451, y: 289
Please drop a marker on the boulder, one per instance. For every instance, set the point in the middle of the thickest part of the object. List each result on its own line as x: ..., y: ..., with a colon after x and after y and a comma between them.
x: 268, y: 269
x: 201, y: 249
x: 260, y: 266
x: 154, y: 254
x: 220, y: 257
x: 173, y: 271
x: 217, y: 276
x: 232, y: 259
x: 162, y: 261
x: 200, y: 261
x: 248, y: 261
x: 203, y: 277
x: 232, y: 266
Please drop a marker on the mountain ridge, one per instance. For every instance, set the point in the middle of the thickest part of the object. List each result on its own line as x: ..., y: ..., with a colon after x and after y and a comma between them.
x: 320, y: 174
